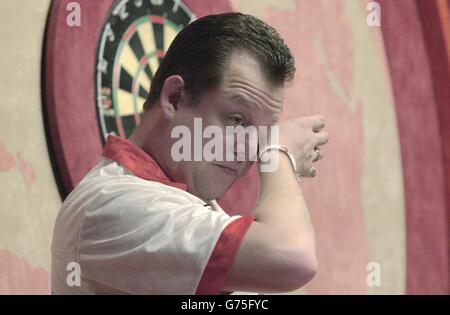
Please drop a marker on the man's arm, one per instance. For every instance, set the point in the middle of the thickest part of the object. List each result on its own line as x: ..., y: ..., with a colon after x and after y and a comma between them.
x: 277, y: 253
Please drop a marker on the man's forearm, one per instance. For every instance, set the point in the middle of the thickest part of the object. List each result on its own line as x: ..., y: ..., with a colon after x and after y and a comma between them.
x: 278, y: 252
x: 281, y: 205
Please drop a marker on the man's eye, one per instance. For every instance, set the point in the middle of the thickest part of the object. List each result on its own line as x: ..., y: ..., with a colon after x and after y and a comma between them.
x: 237, y: 120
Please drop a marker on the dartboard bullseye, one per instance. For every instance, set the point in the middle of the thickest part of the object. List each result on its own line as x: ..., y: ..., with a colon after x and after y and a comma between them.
x: 134, y: 38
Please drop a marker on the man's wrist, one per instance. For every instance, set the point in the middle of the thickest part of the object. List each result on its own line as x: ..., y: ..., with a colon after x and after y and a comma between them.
x: 265, y: 152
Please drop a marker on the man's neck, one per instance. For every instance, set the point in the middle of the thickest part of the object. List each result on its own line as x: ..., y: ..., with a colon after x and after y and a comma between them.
x: 147, y: 136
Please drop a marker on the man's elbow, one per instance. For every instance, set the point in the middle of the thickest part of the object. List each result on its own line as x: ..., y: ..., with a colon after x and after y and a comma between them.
x: 303, y: 267
x: 306, y: 269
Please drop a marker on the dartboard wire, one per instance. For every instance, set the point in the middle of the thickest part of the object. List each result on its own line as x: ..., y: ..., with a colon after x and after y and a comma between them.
x: 145, y: 35
x: 132, y: 29
x: 185, y: 9
x: 144, y: 62
x: 174, y: 31
x: 160, y: 21
x: 136, y: 84
x: 116, y: 73
x: 99, y: 88
x: 116, y: 87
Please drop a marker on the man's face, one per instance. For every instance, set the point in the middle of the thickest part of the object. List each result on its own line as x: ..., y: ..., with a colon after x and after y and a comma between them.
x: 244, y: 99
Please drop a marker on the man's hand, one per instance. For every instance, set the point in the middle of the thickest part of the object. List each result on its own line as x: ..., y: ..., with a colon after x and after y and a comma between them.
x: 303, y: 137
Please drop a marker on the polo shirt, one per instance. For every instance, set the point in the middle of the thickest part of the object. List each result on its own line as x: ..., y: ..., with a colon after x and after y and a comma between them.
x: 132, y: 230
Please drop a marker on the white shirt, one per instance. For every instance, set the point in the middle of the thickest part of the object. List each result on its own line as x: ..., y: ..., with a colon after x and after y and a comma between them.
x: 129, y: 234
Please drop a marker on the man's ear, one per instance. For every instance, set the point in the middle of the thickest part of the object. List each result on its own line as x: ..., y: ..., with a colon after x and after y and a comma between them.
x: 171, y: 95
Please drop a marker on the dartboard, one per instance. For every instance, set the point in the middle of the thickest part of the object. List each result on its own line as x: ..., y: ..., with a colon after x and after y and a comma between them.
x: 133, y: 41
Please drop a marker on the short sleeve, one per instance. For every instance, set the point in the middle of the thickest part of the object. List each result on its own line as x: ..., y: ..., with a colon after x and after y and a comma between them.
x: 147, y: 240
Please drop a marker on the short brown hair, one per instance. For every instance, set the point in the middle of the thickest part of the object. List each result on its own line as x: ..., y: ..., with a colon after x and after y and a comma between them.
x: 201, y: 50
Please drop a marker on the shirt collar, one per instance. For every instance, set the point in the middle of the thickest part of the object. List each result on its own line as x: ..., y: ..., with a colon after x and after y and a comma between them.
x: 136, y: 161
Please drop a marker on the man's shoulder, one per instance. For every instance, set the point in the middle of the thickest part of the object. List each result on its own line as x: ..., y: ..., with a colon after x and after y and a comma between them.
x: 110, y: 193
x: 109, y: 179
x: 110, y: 196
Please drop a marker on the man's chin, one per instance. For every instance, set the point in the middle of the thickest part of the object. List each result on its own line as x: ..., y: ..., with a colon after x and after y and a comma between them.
x: 216, y: 193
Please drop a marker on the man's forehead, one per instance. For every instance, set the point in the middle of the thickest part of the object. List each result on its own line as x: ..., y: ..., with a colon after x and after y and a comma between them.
x: 243, y: 71
x: 243, y: 65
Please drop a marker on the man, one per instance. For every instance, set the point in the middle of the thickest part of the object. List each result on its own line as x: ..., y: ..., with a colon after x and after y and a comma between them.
x: 142, y: 223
